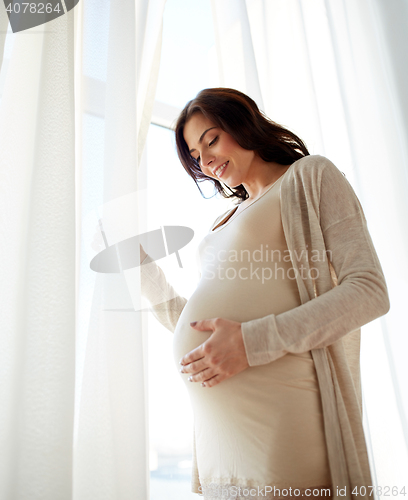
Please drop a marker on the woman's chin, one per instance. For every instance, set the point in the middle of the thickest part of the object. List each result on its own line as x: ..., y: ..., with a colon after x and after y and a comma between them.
x: 229, y: 183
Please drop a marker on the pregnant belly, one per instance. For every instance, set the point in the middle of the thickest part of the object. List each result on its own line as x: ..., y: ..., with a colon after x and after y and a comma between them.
x: 215, y: 300
x: 248, y: 422
x: 234, y: 300
x: 186, y: 338
x: 244, y: 424
x: 205, y: 304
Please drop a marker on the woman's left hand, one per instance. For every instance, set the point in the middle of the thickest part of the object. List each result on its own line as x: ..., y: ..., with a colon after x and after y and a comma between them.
x: 220, y: 357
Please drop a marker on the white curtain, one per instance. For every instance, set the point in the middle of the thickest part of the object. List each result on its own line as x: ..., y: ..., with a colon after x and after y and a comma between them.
x: 76, y: 100
x: 335, y: 73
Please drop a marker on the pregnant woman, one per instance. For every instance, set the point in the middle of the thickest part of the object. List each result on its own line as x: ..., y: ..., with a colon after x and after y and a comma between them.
x: 268, y: 344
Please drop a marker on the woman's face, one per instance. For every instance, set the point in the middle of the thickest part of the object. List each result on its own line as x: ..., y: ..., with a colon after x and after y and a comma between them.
x: 217, y: 152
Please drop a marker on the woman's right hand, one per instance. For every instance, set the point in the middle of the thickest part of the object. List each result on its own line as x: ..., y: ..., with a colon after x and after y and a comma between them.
x: 142, y: 253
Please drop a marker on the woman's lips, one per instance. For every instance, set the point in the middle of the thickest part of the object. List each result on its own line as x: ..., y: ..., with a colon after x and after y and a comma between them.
x: 223, y: 170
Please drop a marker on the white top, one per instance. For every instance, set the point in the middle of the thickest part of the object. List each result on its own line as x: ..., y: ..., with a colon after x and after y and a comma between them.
x: 263, y: 426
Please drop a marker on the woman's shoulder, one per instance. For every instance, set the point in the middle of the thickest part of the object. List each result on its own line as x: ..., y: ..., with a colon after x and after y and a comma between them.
x: 313, y: 163
x: 313, y: 170
x: 326, y: 186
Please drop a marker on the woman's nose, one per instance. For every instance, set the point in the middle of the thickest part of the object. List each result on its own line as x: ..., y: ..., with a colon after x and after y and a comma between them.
x: 207, y: 161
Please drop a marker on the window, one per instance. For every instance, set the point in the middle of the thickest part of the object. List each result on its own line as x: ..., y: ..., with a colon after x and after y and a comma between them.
x: 174, y: 199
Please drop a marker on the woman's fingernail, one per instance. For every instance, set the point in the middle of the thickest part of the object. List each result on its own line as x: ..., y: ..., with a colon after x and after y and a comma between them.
x: 182, y: 369
x: 193, y: 323
x: 190, y: 379
x: 203, y: 384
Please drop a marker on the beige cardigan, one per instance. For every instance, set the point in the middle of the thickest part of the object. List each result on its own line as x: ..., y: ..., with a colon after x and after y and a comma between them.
x: 321, y: 216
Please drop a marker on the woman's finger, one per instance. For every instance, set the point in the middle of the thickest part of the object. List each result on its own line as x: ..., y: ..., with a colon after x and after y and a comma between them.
x: 202, y: 376
x: 194, y: 355
x: 194, y: 367
x: 213, y: 381
x: 205, y: 324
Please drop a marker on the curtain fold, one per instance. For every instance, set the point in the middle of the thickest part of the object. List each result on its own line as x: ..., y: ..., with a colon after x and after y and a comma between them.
x: 76, y: 100
x: 331, y: 72
x: 37, y: 293
x: 234, y: 45
x: 111, y: 432
x: 376, y: 124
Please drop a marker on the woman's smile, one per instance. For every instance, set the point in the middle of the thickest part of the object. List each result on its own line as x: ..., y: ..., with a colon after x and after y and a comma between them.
x: 220, y: 170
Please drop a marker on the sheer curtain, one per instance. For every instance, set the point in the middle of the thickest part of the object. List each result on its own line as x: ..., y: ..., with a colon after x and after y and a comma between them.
x: 37, y: 292
x: 76, y: 99
x: 333, y: 72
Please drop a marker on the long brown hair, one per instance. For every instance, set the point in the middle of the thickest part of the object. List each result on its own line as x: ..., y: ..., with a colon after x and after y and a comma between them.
x: 238, y: 115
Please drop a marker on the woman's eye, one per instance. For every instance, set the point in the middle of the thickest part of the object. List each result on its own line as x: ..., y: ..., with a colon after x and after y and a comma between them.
x: 210, y: 144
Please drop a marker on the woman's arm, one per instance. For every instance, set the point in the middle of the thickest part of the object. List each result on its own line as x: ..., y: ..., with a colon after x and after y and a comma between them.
x: 166, y: 304
x: 360, y: 297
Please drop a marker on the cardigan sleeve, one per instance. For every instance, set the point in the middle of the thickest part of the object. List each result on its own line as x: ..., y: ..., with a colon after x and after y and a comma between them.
x: 360, y: 297
x: 166, y: 304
